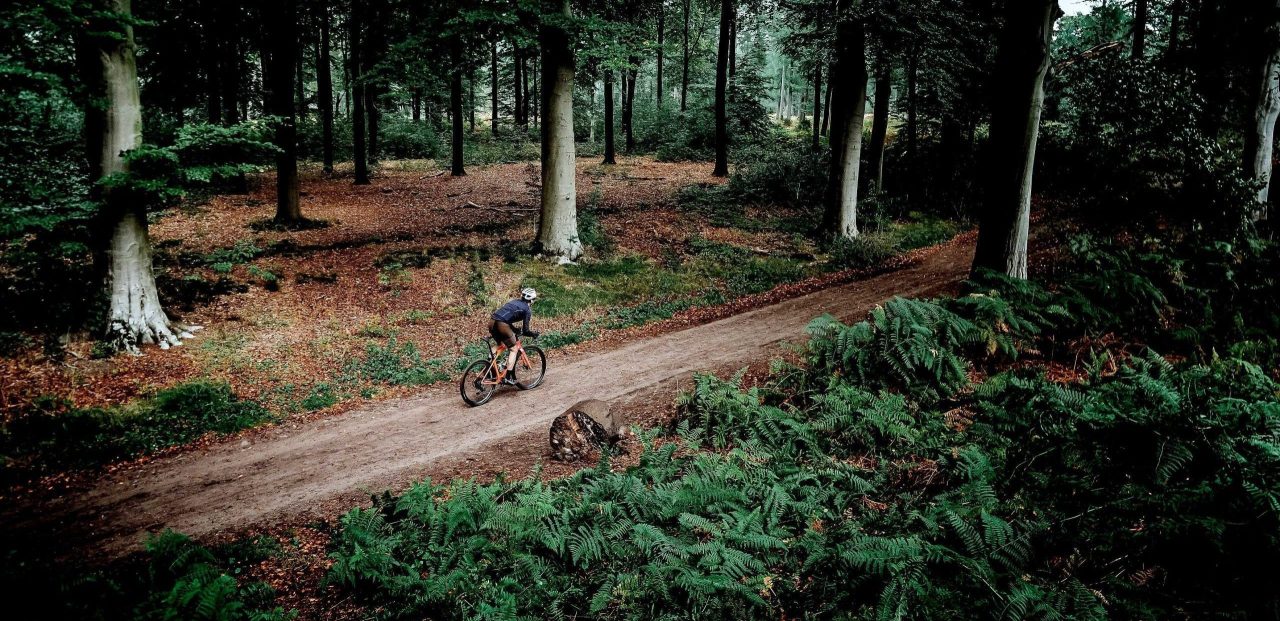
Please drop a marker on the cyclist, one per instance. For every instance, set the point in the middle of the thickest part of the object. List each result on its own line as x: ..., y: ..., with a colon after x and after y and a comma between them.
x: 502, y: 327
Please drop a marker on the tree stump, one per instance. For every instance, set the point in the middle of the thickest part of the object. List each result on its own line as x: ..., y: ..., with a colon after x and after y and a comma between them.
x: 584, y: 429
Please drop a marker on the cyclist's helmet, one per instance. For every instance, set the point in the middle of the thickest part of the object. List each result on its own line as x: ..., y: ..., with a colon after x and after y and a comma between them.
x: 528, y: 294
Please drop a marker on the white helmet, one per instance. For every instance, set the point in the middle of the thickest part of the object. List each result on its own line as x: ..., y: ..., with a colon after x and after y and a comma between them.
x: 528, y: 294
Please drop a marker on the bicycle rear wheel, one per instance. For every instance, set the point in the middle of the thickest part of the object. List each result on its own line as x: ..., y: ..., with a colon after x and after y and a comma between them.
x: 475, y: 386
x: 529, y: 377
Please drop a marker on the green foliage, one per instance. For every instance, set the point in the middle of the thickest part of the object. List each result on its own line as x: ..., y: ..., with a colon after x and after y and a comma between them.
x: 199, y: 586
x: 397, y: 363
x: 843, y: 490
x: 401, y: 138
x: 56, y: 435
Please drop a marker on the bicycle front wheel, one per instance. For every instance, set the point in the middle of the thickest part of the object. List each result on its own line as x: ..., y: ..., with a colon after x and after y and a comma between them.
x: 529, y: 376
x: 477, y: 385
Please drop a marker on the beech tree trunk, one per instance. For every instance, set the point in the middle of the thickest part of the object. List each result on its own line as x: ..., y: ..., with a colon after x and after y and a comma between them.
x: 1261, y: 134
x: 324, y: 83
x: 662, y: 15
x: 826, y: 110
x: 455, y: 111
x: 629, y: 104
x: 913, y: 80
x: 1140, y: 16
x: 684, y: 61
x: 110, y: 68
x: 840, y: 218
x: 493, y: 87
x: 1022, y: 61
x: 558, y: 225
x: 817, y: 108
x: 471, y: 101
x: 608, y: 118
x: 517, y: 106
x: 722, y: 84
x: 360, y: 154
x: 880, y: 124
x: 281, y: 65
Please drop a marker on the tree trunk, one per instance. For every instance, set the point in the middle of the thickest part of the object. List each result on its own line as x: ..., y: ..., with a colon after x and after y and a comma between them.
x: 110, y: 69
x: 1140, y: 15
x: 591, y: 113
x: 558, y: 224
x: 840, y: 218
x: 524, y: 87
x: 1260, y: 136
x: 629, y: 105
x: 826, y: 110
x: 471, y: 101
x: 374, y: 118
x: 455, y: 111
x: 684, y: 62
x: 231, y: 66
x: 1175, y: 31
x: 733, y: 43
x: 722, y: 83
x: 281, y: 67
x: 662, y: 15
x: 517, y: 106
x: 608, y: 118
x: 913, y: 80
x: 817, y: 108
x: 324, y: 82
x: 1022, y: 61
x: 415, y: 104
x: 357, y: 99
x: 493, y: 87
x: 536, y: 94
x: 211, y: 35
x: 880, y: 124
x: 299, y: 72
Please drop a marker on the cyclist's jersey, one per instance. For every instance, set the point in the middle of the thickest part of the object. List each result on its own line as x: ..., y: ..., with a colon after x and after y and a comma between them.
x: 514, y: 311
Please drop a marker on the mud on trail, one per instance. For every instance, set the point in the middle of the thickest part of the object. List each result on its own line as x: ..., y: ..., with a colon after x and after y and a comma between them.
x: 316, y: 469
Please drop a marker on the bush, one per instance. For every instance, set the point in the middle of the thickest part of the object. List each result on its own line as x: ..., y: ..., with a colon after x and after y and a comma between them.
x: 400, y: 138
x: 398, y: 364
x: 56, y: 435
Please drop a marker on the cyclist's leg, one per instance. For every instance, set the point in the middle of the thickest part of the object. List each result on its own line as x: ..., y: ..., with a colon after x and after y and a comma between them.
x: 503, y: 333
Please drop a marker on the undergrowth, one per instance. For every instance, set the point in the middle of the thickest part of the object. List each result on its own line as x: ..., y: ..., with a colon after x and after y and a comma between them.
x: 907, y: 469
x: 56, y: 435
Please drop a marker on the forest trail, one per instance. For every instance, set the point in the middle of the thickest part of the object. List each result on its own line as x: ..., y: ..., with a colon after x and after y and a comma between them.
x: 303, y: 471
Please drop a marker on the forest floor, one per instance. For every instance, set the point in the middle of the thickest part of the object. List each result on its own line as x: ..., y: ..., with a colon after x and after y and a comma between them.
x: 290, y: 481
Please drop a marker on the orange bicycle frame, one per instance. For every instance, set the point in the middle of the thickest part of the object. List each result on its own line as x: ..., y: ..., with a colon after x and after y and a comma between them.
x: 499, y: 371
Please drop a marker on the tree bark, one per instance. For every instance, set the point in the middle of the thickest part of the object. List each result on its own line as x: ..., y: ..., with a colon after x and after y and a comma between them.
x: 733, y: 43
x: 1022, y: 61
x: 1140, y: 16
x: 826, y: 110
x: 517, y: 106
x: 324, y: 83
x: 628, y: 105
x: 880, y: 124
x: 684, y: 62
x: 109, y: 62
x: 210, y: 53
x: 471, y: 101
x: 840, y: 218
x: 357, y: 99
x: 493, y: 86
x: 1175, y: 31
x: 722, y: 83
x: 913, y: 81
x: 281, y: 67
x: 1261, y: 134
x: 558, y: 224
x: 455, y: 111
x: 232, y: 69
x: 608, y: 118
x: 662, y: 15
x: 817, y: 108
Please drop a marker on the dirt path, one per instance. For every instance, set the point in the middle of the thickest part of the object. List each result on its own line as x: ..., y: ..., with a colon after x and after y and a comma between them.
x: 304, y: 471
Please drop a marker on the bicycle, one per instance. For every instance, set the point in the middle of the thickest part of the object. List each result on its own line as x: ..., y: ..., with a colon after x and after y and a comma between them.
x: 481, y: 376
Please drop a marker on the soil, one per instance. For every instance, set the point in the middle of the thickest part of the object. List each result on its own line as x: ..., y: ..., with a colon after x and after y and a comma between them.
x: 310, y: 470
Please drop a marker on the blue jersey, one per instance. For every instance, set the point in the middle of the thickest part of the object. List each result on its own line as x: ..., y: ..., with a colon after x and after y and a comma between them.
x: 514, y: 311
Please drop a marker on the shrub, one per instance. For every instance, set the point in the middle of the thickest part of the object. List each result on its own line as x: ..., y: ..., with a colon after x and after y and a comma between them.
x: 58, y: 435
x: 398, y: 364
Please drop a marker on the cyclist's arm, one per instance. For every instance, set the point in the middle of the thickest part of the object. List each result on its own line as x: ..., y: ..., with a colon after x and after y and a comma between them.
x: 528, y: 315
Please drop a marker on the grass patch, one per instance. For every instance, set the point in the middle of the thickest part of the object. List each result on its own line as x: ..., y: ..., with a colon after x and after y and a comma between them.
x: 57, y: 435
